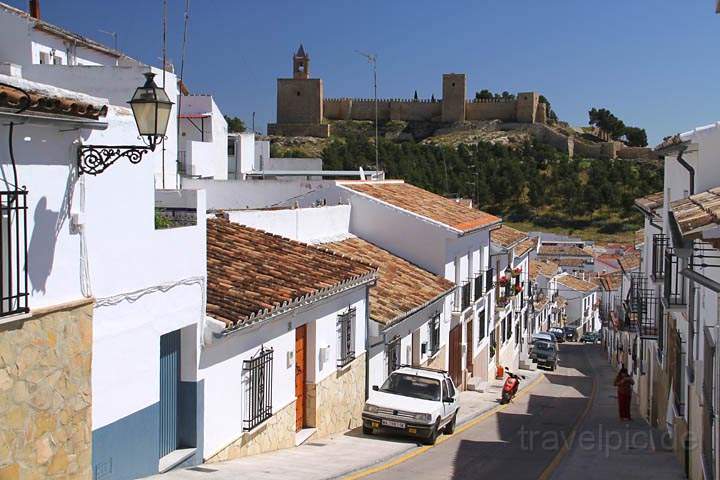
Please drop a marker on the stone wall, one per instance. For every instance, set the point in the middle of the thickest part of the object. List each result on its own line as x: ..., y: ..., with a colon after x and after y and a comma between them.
x: 275, y: 433
x: 45, y: 394
x: 336, y: 403
x: 454, y: 94
x: 299, y: 101
x: 504, y: 110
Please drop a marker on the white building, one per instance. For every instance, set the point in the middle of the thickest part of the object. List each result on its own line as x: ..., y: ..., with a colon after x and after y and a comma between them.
x: 284, y: 342
x: 203, y: 141
x: 544, y: 290
x: 444, y: 238
x: 582, y: 311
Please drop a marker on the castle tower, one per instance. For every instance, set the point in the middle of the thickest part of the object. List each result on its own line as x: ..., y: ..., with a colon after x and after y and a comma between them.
x: 453, y: 99
x: 301, y: 64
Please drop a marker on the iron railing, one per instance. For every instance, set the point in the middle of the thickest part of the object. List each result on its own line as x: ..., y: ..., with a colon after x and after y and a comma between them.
x: 434, y: 334
x: 650, y: 309
x: 259, y: 388
x: 709, y: 407
x: 345, y: 327
x: 488, y: 279
x: 660, y: 243
x: 674, y: 283
x: 478, y: 285
x: 13, y: 250
x: 465, y: 297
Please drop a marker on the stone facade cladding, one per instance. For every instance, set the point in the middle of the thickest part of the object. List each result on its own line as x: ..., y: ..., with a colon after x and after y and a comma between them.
x: 45, y: 394
x: 335, y: 404
x: 276, y: 433
x: 438, y: 361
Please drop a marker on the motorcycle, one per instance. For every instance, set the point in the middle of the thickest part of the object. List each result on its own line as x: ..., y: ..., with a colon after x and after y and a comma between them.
x: 510, y: 387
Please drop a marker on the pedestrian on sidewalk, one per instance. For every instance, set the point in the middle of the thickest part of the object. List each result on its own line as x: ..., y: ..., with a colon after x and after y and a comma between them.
x: 624, y: 383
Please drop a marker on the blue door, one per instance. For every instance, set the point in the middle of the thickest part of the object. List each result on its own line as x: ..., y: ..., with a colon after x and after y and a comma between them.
x: 169, y: 383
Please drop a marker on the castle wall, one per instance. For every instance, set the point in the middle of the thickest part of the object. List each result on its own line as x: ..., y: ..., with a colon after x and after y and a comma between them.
x: 416, y: 111
x: 491, y: 110
x: 299, y: 101
x: 527, y: 104
x: 388, y: 109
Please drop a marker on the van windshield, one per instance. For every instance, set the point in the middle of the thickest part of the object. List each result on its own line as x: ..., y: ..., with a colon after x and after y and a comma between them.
x: 412, y: 386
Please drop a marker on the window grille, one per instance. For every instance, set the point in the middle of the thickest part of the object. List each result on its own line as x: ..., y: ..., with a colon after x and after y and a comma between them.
x: 346, y: 337
x: 434, y: 334
x: 13, y: 248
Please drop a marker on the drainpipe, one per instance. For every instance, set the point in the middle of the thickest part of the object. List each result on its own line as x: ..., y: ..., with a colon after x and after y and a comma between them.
x: 689, y: 168
x: 367, y: 342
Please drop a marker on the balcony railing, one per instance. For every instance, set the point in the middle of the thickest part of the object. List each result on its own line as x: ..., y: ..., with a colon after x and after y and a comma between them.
x: 488, y: 279
x: 13, y: 250
x: 465, y: 295
x: 660, y: 243
x: 674, y: 283
x: 649, y: 315
x: 478, y: 284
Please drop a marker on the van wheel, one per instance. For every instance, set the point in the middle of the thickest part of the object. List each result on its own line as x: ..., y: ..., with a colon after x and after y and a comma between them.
x: 450, y: 427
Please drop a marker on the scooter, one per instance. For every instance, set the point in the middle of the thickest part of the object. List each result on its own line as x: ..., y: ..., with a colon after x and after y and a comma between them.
x: 510, y: 388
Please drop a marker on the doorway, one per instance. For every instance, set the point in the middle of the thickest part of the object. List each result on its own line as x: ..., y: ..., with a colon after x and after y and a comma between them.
x: 169, y: 391
x: 300, y: 376
x: 469, y: 347
x: 456, y: 354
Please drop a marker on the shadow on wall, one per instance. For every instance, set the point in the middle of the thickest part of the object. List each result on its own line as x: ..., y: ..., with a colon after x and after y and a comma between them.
x: 41, y: 251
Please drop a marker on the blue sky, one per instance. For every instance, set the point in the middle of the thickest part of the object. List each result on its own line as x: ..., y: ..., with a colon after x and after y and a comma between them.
x: 654, y: 63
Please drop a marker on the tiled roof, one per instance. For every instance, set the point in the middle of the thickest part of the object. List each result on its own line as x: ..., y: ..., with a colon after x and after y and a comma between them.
x: 566, y: 261
x: 610, y: 281
x: 507, y: 237
x: 542, y: 267
x: 630, y: 261
x: 252, y: 274
x: 35, y: 97
x: 697, y: 212
x: 525, y: 246
x: 650, y: 203
x: 401, y: 286
x: 426, y: 204
x: 562, y: 251
x: 575, y: 283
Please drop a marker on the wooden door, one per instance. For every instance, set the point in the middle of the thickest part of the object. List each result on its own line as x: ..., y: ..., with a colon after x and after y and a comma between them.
x: 455, y: 354
x: 469, y: 343
x: 300, y: 340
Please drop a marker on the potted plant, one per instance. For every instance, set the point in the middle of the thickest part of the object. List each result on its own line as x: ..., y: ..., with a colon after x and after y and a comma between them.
x: 516, y: 272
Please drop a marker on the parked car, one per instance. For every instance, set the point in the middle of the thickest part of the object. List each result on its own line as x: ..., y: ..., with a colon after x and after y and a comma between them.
x: 570, y: 334
x: 545, y: 354
x: 415, y: 401
x: 541, y: 337
x: 559, y: 334
x: 590, y: 337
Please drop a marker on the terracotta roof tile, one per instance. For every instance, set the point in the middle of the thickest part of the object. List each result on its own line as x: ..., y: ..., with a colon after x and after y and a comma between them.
x: 650, y: 203
x: 562, y: 250
x: 525, y: 246
x: 630, y: 261
x: 566, y: 261
x: 507, y: 236
x: 401, y: 286
x: 697, y: 212
x: 577, y: 284
x: 542, y: 267
x: 43, y: 102
x: 610, y: 281
x: 424, y: 203
x: 252, y: 273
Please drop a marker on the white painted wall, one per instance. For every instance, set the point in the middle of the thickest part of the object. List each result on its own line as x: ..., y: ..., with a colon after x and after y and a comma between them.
x: 204, y: 139
x: 310, y: 225
x: 221, y: 362
x: 262, y: 153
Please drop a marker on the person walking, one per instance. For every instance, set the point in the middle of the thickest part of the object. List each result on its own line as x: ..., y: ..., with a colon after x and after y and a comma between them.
x: 624, y: 383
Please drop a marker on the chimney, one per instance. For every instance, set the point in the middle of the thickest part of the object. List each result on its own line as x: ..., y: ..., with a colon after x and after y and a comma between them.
x: 34, y: 9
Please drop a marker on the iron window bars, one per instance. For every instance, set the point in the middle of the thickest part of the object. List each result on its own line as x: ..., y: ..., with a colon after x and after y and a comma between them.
x: 466, y: 295
x: 258, y: 372
x: 660, y: 243
x: 478, y: 285
x: 393, y: 356
x: 434, y: 334
x: 345, y: 330
x: 488, y: 279
x: 13, y: 250
x: 649, y: 311
x: 708, y: 406
x: 674, y: 282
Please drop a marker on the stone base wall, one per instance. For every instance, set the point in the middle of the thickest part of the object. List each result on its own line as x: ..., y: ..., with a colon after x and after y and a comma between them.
x: 336, y: 403
x: 439, y: 360
x: 45, y: 394
x: 277, y: 432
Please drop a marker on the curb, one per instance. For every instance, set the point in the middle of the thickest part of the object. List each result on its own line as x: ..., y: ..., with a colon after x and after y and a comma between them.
x: 565, y: 448
x: 414, y: 451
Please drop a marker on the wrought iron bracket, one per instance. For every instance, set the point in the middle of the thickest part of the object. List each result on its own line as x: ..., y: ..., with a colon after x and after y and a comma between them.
x: 95, y: 159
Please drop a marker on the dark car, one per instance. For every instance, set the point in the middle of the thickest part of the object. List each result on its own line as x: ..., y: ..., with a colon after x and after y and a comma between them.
x: 545, y: 354
x: 570, y: 333
x: 559, y: 334
x: 590, y: 337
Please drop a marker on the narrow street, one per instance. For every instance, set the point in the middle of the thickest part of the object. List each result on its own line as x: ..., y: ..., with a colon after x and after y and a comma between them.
x: 519, y: 441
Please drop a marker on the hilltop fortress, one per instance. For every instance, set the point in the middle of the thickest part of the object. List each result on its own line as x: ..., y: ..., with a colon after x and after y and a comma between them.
x: 302, y: 109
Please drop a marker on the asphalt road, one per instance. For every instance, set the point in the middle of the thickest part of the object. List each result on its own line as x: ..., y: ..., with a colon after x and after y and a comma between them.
x: 519, y: 441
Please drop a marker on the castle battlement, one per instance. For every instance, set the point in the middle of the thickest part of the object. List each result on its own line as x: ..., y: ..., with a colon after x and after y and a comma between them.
x: 302, y: 107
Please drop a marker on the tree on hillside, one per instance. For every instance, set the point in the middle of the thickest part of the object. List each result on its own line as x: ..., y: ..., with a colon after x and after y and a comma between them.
x: 550, y: 112
x: 605, y: 120
x: 235, y: 124
x: 636, y: 137
x: 483, y: 94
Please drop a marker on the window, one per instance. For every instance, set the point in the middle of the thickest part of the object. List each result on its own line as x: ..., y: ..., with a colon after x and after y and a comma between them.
x: 481, y: 325
x: 44, y: 58
x: 258, y: 377
x: 393, y: 356
x: 346, y: 337
x: 449, y: 388
x: 412, y: 386
x: 434, y: 334
x: 231, y: 148
x: 13, y: 253
x: 492, y: 343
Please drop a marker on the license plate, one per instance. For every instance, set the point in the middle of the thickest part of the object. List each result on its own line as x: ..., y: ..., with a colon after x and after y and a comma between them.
x: 391, y: 423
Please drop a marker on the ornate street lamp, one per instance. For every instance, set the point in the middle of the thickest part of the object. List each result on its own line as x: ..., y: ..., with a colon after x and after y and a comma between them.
x: 151, y: 108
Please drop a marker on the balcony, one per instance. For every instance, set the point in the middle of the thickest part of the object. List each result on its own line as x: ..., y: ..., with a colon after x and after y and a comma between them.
x: 660, y: 243
x: 465, y: 297
x: 674, y: 286
x: 13, y: 249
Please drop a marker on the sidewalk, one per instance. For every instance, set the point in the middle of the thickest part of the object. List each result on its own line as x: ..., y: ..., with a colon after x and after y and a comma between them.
x: 604, y: 447
x: 340, y: 454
